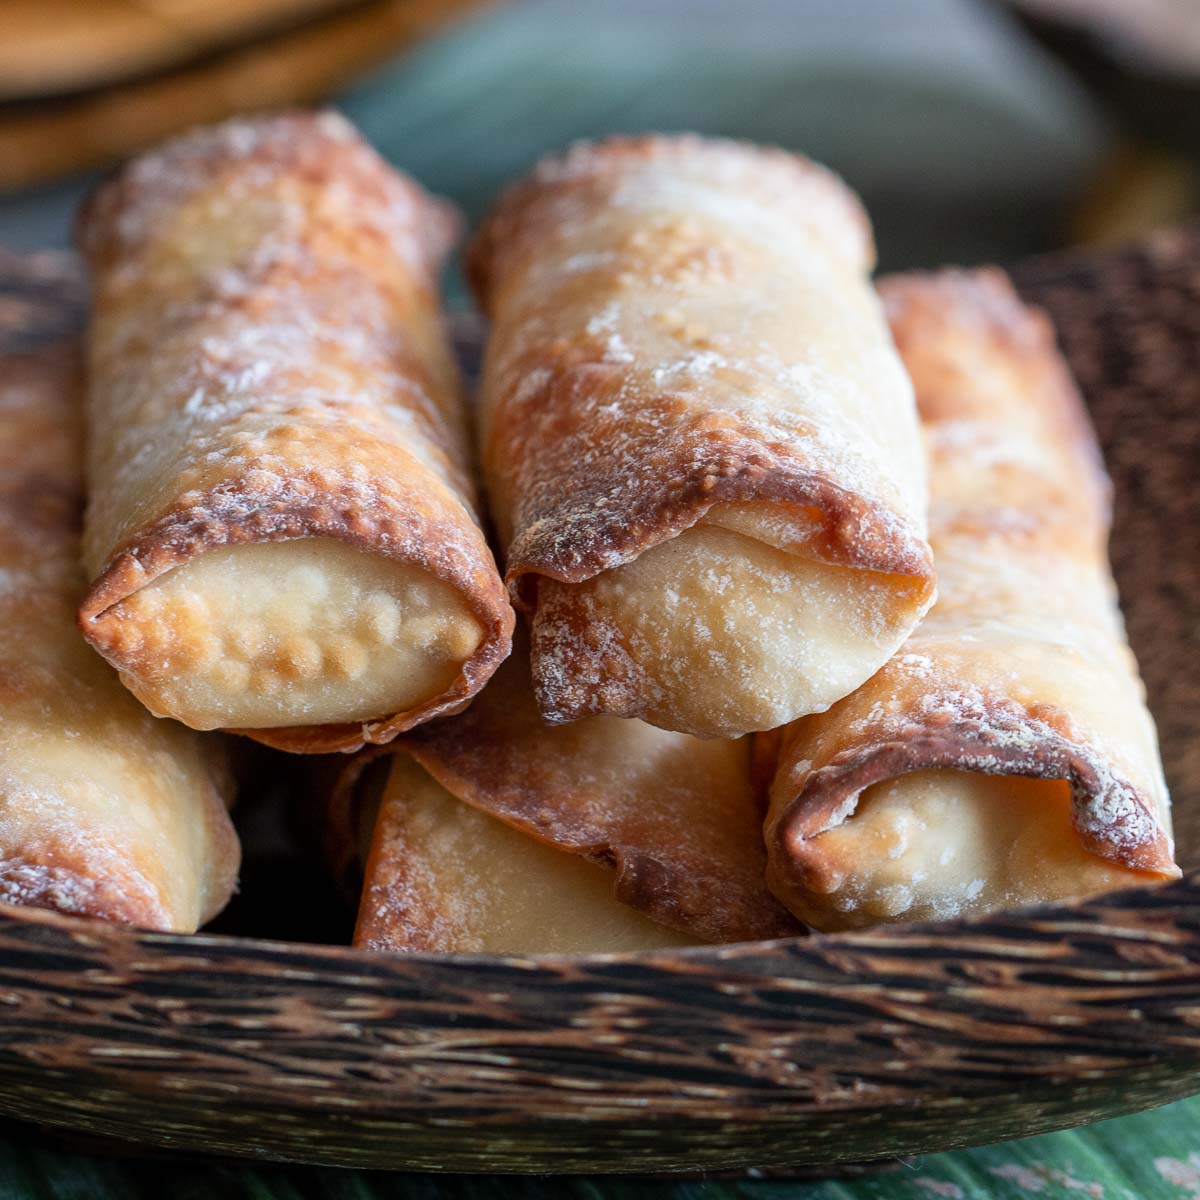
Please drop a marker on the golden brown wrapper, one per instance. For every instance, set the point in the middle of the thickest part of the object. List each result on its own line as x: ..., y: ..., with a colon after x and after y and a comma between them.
x: 666, y: 824
x: 105, y: 811
x: 1005, y: 755
x: 282, y: 529
x: 700, y: 447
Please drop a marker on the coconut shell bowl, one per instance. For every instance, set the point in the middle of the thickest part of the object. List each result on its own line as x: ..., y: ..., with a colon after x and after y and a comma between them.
x: 825, y: 1049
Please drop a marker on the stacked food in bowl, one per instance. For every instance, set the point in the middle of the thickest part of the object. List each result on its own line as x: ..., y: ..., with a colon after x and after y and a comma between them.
x: 802, y: 616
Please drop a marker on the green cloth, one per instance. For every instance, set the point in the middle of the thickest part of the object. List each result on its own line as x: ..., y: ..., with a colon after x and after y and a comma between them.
x: 1151, y: 1156
x: 964, y: 140
x: 966, y: 143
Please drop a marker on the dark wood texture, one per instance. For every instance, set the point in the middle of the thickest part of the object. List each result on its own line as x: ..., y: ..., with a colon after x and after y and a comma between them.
x: 1129, y: 323
x: 827, y: 1049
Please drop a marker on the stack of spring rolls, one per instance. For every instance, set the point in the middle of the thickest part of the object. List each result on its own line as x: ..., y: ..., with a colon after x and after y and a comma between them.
x: 816, y: 626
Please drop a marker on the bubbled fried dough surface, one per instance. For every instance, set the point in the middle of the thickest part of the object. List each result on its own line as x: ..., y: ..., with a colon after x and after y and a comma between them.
x: 268, y: 364
x: 290, y: 633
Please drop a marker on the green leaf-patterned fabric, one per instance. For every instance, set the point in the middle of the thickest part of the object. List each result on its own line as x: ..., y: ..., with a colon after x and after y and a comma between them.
x: 1151, y: 1156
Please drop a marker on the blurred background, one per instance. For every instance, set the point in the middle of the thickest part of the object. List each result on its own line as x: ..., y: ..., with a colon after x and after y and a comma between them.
x: 974, y: 129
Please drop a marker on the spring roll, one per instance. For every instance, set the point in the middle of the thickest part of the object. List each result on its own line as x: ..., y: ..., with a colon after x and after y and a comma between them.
x: 1006, y: 755
x: 442, y: 876
x: 700, y: 446
x: 498, y: 832
x: 282, y: 533
x: 104, y: 810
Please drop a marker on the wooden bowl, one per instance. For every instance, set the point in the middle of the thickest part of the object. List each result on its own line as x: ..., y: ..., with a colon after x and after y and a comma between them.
x: 826, y: 1049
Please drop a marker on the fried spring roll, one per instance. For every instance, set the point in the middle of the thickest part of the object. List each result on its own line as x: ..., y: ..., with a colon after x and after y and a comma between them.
x: 700, y: 446
x: 1006, y: 755
x: 104, y: 810
x: 281, y: 530
x: 498, y: 832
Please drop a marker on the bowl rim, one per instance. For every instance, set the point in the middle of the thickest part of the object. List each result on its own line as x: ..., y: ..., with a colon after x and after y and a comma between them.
x: 1151, y: 896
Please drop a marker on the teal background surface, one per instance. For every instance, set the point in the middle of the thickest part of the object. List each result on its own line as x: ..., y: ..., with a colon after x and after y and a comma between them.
x: 965, y: 140
x: 1151, y: 1156
x: 967, y: 143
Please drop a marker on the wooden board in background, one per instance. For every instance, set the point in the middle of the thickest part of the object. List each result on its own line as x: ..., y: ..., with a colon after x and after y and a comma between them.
x: 52, y: 47
x: 40, y: 141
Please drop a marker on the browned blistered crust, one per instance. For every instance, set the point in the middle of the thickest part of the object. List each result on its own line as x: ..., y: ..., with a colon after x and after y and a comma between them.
x: 322, y: 462
x: 37, y: 880
x: 689, y: 860
x: 399, y: 906
x: 575, y: 511
x: 977, y: 355
x: 683, y: 479
x: 981, y: 304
